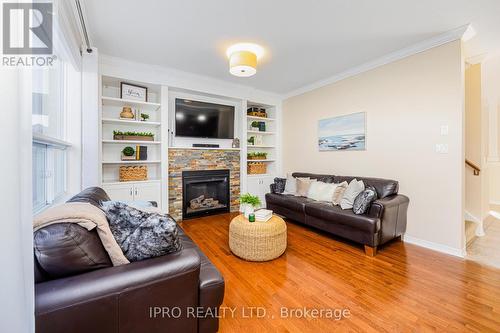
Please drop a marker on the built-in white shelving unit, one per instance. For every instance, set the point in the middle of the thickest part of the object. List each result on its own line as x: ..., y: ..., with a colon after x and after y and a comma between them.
x: 160, y: 106
x: 111, y: 106
x: 121, y: 121
x: 264, y: 141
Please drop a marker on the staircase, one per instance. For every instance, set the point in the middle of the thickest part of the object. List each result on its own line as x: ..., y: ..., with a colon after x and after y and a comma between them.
x: 470, y: 231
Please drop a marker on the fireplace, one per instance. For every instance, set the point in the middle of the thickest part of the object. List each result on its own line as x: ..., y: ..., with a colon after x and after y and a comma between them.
x: 205, y: 192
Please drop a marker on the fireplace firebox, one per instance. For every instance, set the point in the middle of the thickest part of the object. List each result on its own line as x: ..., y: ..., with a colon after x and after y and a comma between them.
x: 205, y: 192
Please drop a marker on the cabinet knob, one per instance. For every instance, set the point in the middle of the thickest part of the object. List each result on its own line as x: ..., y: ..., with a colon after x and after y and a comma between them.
x: 136, y: 191
x: 131, y: 193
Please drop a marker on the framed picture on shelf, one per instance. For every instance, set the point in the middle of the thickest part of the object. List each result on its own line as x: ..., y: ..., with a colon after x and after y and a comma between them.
x: 133, y: 92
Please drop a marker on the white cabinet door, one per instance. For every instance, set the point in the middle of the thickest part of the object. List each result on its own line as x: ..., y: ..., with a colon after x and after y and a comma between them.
x: 259, y: 186
x: 148, y: 192
x: 120, y: 192
x: 253, y: 186
x: 264, y: 188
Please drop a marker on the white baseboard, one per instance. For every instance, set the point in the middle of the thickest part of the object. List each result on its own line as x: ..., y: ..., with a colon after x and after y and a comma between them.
x: 435, y: 246
x: 469, y: 217
x: 495, y: 214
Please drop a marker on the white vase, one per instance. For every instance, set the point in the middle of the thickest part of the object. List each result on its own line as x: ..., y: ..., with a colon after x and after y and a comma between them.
x: 248, y: 210
x: 242, y: 207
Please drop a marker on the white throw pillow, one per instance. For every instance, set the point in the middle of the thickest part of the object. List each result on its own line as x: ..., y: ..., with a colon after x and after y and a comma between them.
x: 355, y: 187
x: 290, y: 185
x: 321, y: 191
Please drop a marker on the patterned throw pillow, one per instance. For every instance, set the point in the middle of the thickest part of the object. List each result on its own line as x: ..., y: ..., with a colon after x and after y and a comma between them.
x: 140, y: 234
x: 279, y: 185
x: 364, y: 200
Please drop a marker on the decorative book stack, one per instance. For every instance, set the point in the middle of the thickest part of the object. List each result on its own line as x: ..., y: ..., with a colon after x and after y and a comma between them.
x: 141, y: 153
x: 263, y: 215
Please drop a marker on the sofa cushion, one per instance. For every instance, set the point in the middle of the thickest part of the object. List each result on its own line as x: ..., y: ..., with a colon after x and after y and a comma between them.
x: 335, y: 214
x: 65, y: 249
x: 288, y: 201
x: 320, y: 191
x: 303, y: 185
x: 364, y: 200
x: 279, y: 185
x: 384, y: 187
x: 353, y: 190
x: 318, y: 177
x: 290, y: 184
x: 338, y: 194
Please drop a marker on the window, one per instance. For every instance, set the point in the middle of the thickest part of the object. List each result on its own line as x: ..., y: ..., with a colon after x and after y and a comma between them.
x: 49, y: 174
x: 50, y: 109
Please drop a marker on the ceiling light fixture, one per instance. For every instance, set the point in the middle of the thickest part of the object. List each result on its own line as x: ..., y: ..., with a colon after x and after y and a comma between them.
x: 243, y: 58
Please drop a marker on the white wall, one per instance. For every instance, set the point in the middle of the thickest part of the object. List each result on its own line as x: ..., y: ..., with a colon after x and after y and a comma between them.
x: 490, y: 82
x: 406, y: 102
x: 16, y: 245
x: 90, y: 119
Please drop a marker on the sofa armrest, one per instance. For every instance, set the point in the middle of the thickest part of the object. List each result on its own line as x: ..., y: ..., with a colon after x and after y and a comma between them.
x: 392, y: 212
x: 378, y: 206
x: 182, y: 268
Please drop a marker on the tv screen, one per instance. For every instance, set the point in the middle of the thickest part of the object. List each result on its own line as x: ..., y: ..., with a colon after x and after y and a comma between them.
x: 203, y: 120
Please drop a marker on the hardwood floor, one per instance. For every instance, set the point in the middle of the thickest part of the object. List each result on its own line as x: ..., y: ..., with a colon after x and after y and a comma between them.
x: 404, y: 288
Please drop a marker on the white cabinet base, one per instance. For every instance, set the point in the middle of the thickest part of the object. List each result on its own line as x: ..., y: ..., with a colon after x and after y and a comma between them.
x: 259, y: 186
x: 148, y: 192
x: 120, y: 192
x: 134, y: 191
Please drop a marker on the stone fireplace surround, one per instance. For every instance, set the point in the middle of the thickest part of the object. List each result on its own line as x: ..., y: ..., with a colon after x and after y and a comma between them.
x: 189, y: 159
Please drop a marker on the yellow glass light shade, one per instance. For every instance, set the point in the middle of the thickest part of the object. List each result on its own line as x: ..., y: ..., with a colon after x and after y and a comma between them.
x: 243, y: 63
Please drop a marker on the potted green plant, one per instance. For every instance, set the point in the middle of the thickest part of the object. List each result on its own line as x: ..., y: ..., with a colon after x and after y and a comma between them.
x: 255, y: 126
x: 140, y: 136
x: 128, y: 153
x: 248, y: 203
x: 144, y: 116
x: 257, y: 156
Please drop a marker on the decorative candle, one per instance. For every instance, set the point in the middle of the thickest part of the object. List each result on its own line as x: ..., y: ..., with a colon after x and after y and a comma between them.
x: 251, y: 217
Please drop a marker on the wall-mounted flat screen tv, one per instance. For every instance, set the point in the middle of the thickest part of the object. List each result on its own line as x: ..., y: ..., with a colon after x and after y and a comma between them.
x: 203, y: 120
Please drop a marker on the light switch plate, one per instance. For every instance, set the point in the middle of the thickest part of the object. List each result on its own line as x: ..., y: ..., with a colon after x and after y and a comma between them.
x: 444, y: 130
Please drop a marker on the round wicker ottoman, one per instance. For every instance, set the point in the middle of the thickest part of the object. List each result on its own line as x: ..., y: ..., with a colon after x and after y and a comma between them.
x: 257, y: 241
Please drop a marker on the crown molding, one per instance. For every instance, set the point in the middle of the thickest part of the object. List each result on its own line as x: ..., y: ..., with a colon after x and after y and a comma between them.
x: 444, y: 38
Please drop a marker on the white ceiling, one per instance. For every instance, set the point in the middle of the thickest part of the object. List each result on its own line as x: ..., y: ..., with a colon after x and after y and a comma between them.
x: 306, y: 40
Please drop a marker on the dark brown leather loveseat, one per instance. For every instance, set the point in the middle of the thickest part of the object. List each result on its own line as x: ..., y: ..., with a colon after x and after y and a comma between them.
x: 384, y: 221
x: 179, y: 292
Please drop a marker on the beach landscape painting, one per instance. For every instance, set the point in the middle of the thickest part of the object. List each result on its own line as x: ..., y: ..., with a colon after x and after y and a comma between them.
x: 343, y: 133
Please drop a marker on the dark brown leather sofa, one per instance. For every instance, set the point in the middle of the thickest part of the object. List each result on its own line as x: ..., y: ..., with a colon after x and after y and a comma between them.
x: 385, y: 220
x: 184, y: 286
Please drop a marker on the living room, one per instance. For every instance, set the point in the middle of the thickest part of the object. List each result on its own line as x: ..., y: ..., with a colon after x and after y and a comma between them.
x: 190, y: 166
